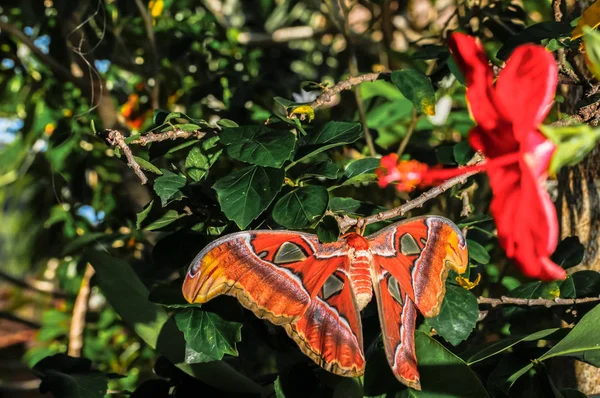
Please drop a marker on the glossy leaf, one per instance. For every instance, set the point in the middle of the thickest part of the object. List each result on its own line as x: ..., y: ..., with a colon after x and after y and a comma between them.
x: 534, y: 34
x: 458, y: 315
x: 478, y: 252
x: 301, y: 207
x: 244, y: 194
x: 328, y: 229
x: 207, y: 333
x: 331, y: 135
x: 167, y: 218
x: 326, y: 169
x: 168, y: 186
x: 504, y: 344
x: 569, y: 252
x: 417, y: 88
x: 259, y: 145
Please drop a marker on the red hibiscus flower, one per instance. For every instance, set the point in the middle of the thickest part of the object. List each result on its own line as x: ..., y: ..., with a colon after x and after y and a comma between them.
x: 508, y: 115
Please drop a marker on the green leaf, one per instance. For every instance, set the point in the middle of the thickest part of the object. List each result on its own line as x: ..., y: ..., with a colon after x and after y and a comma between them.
x: 587, y: 283
x: 259, y: 145
x: 417, y: 88
x: 534, y: 34
x: 344, y: 205
x: 146, y: 165
x: 462, y: 152
x: 197, y: 164
x: 331, y: 135
x: 207, y: 333
x: 69, y: 377
x: 278, y: 389
x: 246, y: 193
x: 504, y: 344
x: 457, y: 379
x: 169, y: 217
x: 473, y: 220
x: 458, y: 315
x: 478, y: 252
x: 582, y: 343
x: 168, y: 186
x: 569, y: 252
x: 326, y: 169
x: 227, y: 123
x: 360, y: 170
x: 573, y: 143
x: 328, y: 230
x: 301, y: 207
x: 142, y: 215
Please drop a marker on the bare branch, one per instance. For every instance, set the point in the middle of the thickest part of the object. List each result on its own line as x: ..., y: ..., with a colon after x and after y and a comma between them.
x: 115, y: 138
x: 79, y: 310
x: 347, y: 84
x: 168, y: 135
x: 494, y: 302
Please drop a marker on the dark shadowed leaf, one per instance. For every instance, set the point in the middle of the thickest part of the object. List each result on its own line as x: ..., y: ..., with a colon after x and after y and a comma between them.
x: 462, y: 152
x: 328, y: 229
x: 569, y: 252
x: 417, y: 88
x: 129, y: 297
x: 246, y: 193
x: 259, y: 145
x: 443, y: 374
x: 534, y: 34
x: 207, y: 333
x: 587, y: 283
x: 301, y: 207
x: 458, y: 315
x: 69, y: 377
x: 168, y: 186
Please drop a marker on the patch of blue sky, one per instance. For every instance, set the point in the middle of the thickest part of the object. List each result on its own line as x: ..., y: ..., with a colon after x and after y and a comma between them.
x: 8, y: 129
x: 91, y: 215
x: 43, y: 43
x: 8, y: 63
x: 102, y: 65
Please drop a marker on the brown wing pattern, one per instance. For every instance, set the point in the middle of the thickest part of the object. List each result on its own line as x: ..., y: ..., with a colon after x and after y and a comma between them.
x: 330, y: 331
x: 411, y: 260
x: 273, y: 274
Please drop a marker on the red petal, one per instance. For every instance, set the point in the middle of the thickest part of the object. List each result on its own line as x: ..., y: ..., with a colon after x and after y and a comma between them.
x: 473, y: 63
x: 526, y: 87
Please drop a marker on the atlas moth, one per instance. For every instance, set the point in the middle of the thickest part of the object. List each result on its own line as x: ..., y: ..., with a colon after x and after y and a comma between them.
x: 317, y: 290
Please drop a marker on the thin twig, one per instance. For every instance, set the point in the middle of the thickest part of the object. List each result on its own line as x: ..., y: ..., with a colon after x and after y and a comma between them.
x: 153, y: 51
x: 115, y: 138
x: 534, y: 302
x: 409, y: 131
x: 347, y: 84
x: 347, y: 222
x: 79, y: 311
x: 167, y: 135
